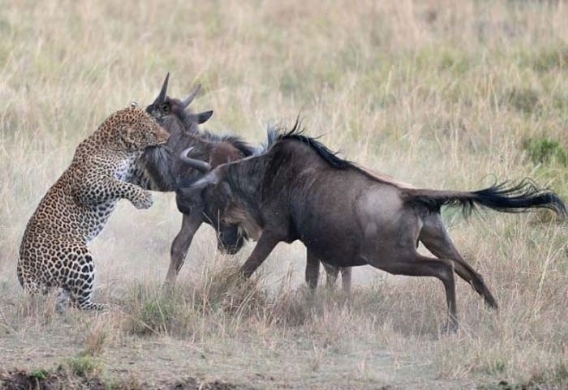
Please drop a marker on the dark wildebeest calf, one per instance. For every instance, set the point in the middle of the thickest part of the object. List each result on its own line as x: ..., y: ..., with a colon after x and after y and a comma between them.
x: 159, y: 169
x: 299, y: 190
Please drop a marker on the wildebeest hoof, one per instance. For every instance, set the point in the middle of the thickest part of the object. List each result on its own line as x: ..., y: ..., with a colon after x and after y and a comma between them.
x: 492, y: 304
x: 451, y: 327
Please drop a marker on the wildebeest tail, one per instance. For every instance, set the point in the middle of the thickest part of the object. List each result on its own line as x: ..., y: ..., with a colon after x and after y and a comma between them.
x: 503, y: 197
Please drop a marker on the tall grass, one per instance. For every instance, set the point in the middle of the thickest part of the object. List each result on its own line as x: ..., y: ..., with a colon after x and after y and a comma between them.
x: 440, y: 94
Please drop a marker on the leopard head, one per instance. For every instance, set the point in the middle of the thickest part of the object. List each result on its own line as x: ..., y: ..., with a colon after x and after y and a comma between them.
x: 137, y: 130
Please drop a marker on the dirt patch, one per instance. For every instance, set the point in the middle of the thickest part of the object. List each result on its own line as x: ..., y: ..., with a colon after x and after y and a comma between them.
x: 533, y: 384
x: 42, y: 380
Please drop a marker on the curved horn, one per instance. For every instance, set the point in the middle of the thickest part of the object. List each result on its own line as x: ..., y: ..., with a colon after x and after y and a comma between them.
x: 162, y: 96
x: 187, y: 101
x: 200, y: 165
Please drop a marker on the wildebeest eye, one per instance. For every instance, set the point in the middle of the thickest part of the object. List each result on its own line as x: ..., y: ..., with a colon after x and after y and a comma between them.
x: 165, y: 107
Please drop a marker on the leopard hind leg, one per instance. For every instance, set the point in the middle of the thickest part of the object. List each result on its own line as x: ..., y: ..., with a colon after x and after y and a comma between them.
x: 78, y: 286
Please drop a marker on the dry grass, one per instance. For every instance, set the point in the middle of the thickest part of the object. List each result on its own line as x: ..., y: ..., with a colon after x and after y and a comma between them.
x: 437, y: 93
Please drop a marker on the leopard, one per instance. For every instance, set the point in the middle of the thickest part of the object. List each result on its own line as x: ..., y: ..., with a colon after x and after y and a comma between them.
x: 54, y: 250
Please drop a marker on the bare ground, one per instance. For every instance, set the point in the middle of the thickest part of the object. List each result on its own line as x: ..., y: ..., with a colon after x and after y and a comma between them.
x: 164, y: 361
x: 54, y: 355
x: 37, y: 362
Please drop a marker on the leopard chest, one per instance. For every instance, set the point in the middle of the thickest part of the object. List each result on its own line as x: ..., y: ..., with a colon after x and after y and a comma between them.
x: 96, y: 218
x: 125, y: 168
x: 98, y: 214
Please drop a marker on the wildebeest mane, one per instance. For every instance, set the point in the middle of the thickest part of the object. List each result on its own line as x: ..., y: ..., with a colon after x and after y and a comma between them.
x: 276, y: 134
x: 243, y: 146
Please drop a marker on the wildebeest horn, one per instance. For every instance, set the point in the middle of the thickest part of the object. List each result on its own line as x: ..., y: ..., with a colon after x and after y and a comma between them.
x: 187, y: 101
x: 200, y: 165
x: 162, y: 96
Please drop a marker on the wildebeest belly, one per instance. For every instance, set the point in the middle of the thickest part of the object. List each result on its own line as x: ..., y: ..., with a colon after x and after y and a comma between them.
x: 344, y: 228
x: 331, y: 243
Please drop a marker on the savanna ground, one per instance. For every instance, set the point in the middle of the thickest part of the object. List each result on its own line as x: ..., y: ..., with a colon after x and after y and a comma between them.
x: 441, y: 94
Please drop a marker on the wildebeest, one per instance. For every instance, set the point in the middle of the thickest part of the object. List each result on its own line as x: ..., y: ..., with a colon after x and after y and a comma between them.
x: 299, y: 190
x: 159, y: 169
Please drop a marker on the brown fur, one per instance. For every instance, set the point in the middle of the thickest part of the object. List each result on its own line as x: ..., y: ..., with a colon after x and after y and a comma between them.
x: 54, y: 252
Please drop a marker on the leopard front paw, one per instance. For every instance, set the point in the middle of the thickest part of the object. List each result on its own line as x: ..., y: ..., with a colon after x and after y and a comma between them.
x: 144, y: 201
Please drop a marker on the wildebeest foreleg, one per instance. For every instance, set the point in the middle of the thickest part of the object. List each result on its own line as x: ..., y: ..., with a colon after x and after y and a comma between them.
x: 189, y: 225
x: 436, y: 239
x: 442, y: 269
x: 265, y: 245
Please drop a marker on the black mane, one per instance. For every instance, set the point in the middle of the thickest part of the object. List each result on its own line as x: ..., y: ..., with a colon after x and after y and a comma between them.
x: 276, y: 134
x: 244, y: 147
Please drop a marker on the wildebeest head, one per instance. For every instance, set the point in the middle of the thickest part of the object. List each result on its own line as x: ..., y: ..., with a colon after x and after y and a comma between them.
x: 173, y: 113
x: 215, y: 191
x: 168, y: 173
x: 230, y: 237
x: 210, y: 155
x: 157, y: 168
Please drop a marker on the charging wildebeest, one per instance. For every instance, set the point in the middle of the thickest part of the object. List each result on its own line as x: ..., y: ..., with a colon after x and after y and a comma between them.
x: 299, y: 190
x: 160, y: 169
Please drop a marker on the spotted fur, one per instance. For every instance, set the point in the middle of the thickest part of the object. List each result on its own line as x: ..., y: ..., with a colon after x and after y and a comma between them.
x: 53, y: 252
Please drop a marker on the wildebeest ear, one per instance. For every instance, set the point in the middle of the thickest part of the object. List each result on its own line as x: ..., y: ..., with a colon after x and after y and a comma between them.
x: 202, y: 117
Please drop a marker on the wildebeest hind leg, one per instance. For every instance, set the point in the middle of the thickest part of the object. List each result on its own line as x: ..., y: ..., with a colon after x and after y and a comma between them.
x: 442, y: 269
x: 436, y: 239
